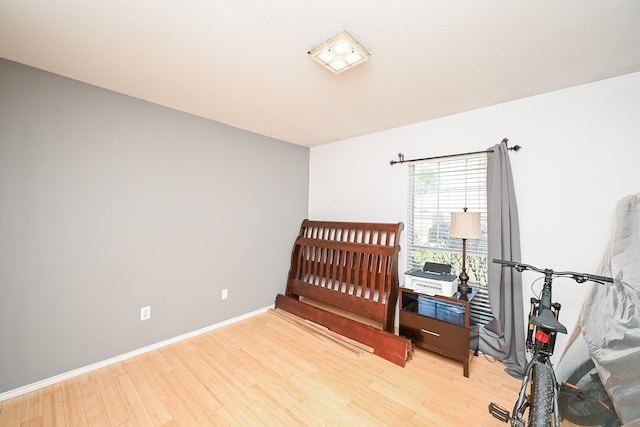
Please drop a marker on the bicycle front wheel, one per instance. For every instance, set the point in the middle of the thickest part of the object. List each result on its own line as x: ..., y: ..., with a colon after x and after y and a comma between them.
x: 542, y: 391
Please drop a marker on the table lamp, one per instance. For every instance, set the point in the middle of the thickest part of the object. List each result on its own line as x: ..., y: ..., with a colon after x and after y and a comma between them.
x: 464, y: 225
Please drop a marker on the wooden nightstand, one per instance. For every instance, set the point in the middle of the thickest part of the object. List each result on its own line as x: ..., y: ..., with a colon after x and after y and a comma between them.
x: 436, y: 323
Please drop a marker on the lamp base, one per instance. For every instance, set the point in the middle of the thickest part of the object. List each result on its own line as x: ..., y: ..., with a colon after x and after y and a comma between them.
x: 464, y: 291
x: 463, y: 288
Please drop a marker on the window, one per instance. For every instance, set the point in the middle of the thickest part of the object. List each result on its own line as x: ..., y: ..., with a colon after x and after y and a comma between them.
x: 437, y: 188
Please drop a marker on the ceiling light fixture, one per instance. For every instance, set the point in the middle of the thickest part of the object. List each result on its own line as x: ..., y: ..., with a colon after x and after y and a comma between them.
x: 340, y: 53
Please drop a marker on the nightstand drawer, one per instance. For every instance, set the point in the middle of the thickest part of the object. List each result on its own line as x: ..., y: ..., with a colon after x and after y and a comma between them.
x: 436, y: 335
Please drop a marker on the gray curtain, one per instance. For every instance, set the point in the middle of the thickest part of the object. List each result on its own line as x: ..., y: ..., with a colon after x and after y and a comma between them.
x: 503, y: 337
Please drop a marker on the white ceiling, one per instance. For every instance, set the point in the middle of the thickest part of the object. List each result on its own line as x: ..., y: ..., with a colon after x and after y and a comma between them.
x: 245, y: 62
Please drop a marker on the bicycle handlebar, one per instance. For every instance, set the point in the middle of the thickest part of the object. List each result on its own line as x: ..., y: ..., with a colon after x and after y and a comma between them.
x: 578, y: 277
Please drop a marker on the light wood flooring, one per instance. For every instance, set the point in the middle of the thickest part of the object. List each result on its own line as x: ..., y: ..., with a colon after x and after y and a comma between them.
x: 268, y: 371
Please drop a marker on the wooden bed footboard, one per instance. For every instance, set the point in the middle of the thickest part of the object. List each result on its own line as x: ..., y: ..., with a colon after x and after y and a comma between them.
x: 351, y: 267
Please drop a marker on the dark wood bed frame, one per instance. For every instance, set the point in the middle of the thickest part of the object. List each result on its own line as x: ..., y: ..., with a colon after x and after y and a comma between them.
x: 351, y: 270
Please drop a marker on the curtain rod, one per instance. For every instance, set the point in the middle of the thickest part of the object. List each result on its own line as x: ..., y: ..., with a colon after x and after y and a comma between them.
x: 402, y: 160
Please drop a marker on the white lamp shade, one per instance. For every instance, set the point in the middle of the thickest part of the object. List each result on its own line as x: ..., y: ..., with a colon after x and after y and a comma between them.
x: 465, y: 225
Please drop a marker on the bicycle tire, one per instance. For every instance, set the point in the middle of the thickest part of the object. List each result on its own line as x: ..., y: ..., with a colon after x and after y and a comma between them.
x: 540, y: 412
x: 596, y: 409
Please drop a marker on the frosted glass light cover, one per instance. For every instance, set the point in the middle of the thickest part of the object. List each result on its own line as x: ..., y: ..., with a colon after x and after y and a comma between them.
x: 326, y: 56
x: 340, y: 53
x: 338, y: 64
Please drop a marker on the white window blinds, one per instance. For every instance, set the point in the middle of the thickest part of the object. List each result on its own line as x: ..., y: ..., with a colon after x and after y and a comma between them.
x: 437, y: 188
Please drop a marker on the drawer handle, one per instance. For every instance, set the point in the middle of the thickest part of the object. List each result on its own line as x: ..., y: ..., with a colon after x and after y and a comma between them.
x: 426, y: 331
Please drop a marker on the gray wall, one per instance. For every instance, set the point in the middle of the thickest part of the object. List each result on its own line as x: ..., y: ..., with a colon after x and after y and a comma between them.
x: 109, y: 203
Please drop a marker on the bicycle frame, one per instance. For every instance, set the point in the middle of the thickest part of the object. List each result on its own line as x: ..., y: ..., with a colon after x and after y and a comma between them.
x: 540, y: 343
x: 543, y: 327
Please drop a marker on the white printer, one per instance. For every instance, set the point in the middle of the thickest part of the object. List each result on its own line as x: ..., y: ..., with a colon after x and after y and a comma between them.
x: 432, y: 279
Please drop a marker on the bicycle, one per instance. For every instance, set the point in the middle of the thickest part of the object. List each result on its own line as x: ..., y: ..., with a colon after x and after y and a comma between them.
x: 542, y: 401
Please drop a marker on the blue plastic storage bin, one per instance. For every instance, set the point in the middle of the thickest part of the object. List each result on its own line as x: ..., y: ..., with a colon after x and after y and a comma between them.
x: 427, y: 306
x: 450, y: 312
x: 447, y: 311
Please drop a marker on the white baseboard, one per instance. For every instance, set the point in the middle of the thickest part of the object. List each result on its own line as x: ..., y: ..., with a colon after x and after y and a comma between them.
x: 76, y: 372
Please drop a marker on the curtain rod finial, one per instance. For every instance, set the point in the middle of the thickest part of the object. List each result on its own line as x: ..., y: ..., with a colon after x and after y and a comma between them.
x: 400, y: 159
x: 514, y: 148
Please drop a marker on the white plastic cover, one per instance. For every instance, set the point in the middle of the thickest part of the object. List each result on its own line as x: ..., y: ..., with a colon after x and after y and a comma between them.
x: 610, y: 320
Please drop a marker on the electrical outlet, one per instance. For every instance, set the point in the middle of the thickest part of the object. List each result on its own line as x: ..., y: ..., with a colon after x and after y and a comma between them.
x: 224, y: 294
x: 145, y: 312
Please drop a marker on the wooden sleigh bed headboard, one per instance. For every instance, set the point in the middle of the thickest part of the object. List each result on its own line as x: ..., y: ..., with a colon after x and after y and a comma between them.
x: 351, y: 269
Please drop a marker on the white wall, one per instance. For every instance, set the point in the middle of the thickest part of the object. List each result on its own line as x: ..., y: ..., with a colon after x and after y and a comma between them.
x: 579, y: 158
